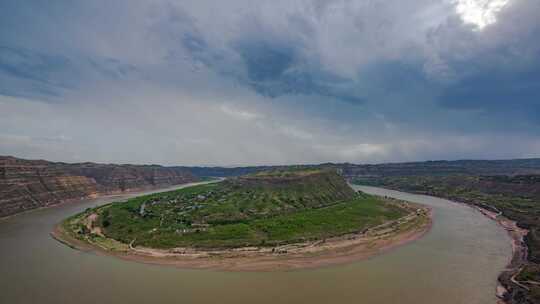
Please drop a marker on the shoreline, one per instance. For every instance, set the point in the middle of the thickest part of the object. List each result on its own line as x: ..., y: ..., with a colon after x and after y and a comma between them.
x: 519, y: 250
x: 332, y: 251
x: 516, y: 261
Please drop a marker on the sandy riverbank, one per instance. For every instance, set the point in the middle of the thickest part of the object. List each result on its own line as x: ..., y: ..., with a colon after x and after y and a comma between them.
x: 332, y: 251
x: 519, y: 251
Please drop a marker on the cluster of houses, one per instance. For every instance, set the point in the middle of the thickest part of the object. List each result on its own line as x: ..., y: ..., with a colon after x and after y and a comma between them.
x: 184, y: 205
x: 195, y: 227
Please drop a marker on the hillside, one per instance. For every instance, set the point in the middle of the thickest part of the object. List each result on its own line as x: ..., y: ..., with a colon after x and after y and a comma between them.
x: 30, y: 184
x: 443, y: 167
x: 261, y: 209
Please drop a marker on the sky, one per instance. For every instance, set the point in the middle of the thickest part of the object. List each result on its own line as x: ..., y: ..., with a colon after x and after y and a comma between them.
x: 243, y: 82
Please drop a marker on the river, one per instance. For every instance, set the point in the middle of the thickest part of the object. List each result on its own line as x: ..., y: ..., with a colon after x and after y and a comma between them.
x: 456, y: 262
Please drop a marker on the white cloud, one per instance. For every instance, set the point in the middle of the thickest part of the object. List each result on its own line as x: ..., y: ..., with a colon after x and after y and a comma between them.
x: 295, y: 132
x: 239, y: 114
x: 181, y: 130
x: 480, y: 13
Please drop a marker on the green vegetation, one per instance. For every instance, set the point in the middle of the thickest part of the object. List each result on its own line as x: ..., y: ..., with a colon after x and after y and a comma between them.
x: 262, y: 209
x: 530, y: 273
x: 207, y: 178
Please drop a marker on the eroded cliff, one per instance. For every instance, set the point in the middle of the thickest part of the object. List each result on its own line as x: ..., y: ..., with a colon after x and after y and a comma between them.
x: 30, y: 184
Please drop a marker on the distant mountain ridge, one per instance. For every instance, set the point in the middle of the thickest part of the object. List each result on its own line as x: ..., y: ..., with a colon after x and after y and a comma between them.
x: 439, y: 167
x: 442, y: 167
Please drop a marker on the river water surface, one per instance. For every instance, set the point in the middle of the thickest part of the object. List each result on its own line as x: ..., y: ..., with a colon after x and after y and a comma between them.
x: 456, y: 262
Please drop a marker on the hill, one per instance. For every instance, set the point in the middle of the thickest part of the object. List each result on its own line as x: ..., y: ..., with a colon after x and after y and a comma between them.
x: 261, y: 209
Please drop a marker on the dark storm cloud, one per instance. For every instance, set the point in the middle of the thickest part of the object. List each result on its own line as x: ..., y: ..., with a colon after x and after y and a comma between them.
x: 513, y: 94
x: 332, y: 80
x: 273, y: 68
x: 26, y: 73
x: 34, y: 74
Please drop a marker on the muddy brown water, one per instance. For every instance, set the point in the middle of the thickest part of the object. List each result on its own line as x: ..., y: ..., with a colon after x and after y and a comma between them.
x: 456, y: 262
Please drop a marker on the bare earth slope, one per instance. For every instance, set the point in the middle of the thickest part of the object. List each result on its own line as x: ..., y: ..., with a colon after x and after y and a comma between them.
x: 30, y: 184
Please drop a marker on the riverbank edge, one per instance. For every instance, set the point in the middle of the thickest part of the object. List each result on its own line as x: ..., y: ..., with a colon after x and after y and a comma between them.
x: 519, y: 248
x: 332, y: 251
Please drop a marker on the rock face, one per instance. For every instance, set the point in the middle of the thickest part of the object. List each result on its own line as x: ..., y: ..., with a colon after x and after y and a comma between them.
x: 29, y: 184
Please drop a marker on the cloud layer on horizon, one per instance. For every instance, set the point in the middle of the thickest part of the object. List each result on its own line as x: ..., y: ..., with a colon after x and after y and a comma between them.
x: 269, y: 82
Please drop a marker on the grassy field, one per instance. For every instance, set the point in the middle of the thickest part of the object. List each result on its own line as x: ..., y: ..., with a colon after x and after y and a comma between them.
x: 255, y: 210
